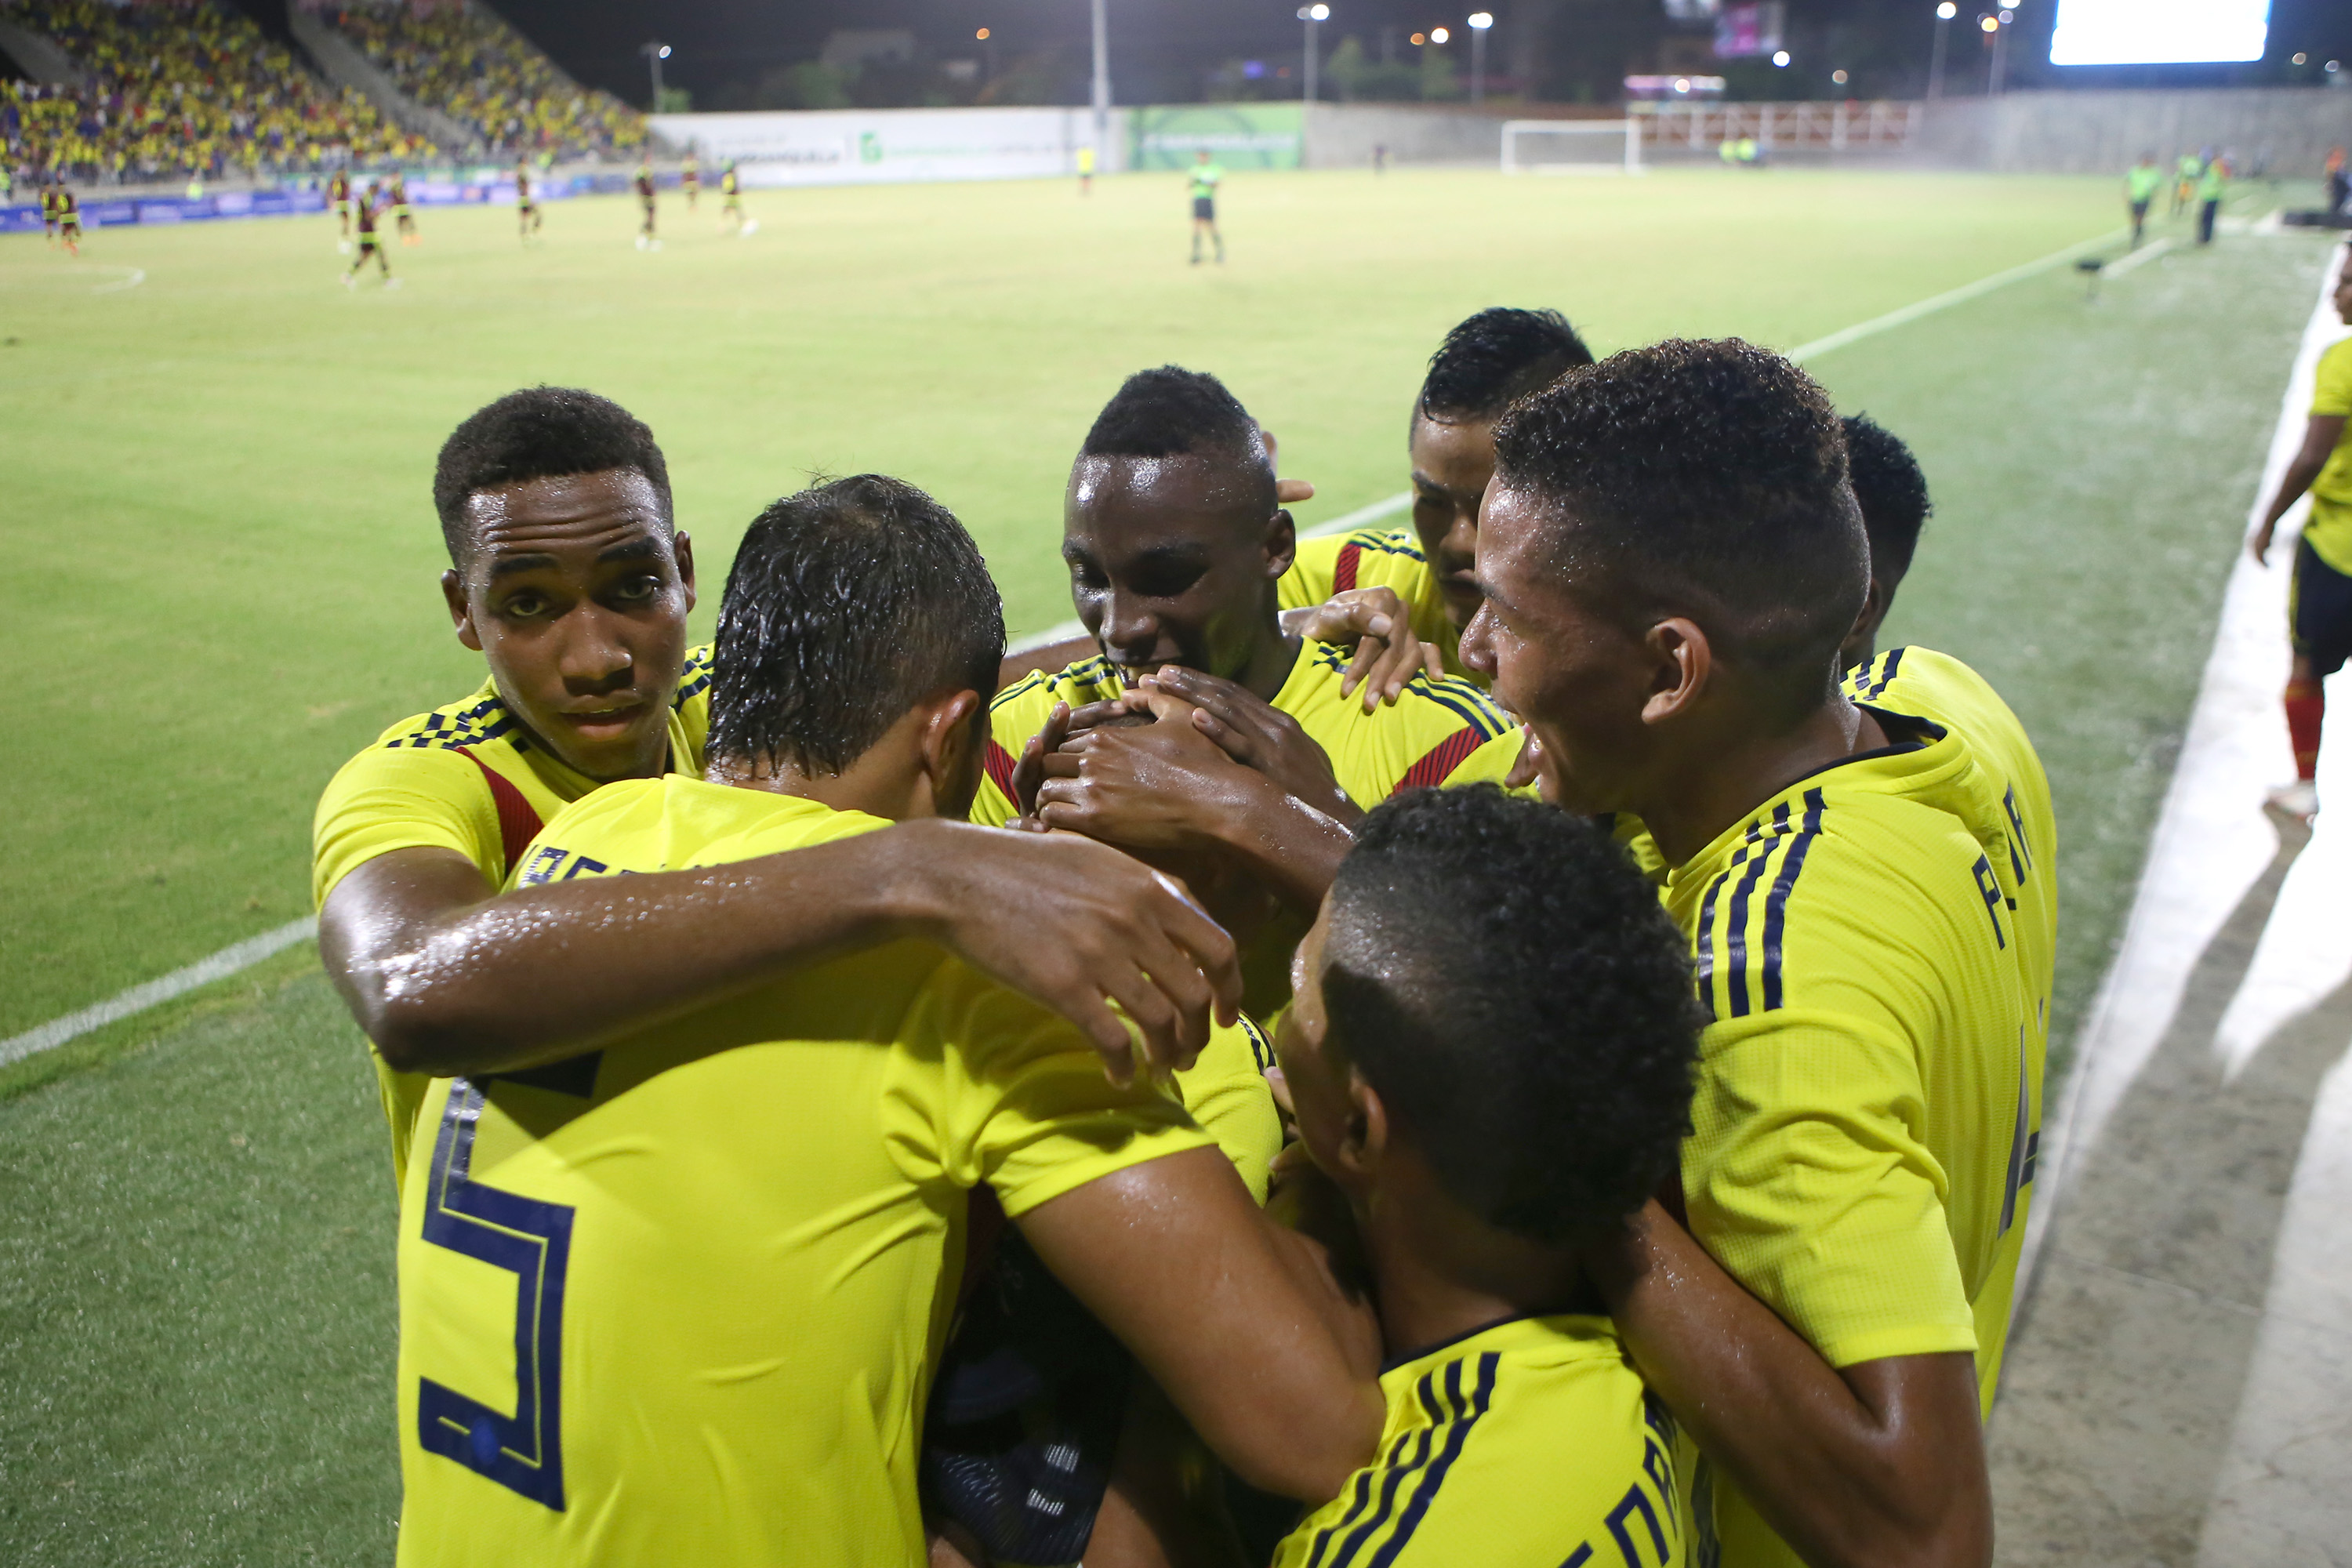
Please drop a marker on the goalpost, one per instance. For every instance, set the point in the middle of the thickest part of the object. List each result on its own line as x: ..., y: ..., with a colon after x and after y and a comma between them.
x: 1583, y: 147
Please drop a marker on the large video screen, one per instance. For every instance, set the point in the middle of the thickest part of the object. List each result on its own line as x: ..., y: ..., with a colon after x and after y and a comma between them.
x: 2158, y: 32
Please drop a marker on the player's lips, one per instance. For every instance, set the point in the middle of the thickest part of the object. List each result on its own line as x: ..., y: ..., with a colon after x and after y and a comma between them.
x: 606, y: 721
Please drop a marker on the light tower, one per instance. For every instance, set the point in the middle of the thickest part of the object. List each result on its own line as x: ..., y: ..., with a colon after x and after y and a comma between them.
x: 1944, y: 14
x: 1313, y: 17
x: 1102, y: 82
x: 1479, y: 21
x: 655, y: 53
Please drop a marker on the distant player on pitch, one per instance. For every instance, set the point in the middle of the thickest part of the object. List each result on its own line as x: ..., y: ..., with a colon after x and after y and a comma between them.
x: 647, y: 239
x: 402, y: 218
x: 366, y: 210
x: 2320, y: 613
x: 527, y: 215
x: 2141, y: 182
x: 731, y: 204
x: 338, y: 192
x: 68, y: 218
x: 1086, y: 171
x: 1206, y: 175
x: 689, y: 179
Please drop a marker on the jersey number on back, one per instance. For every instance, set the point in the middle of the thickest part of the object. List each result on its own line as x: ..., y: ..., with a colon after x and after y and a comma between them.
x: 533, y: 1241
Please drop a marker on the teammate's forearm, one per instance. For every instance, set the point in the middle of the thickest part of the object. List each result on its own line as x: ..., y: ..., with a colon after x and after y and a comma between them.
x: 542, y: 973
x: 1292, y: 848
x: 1849, y: 1470
x: 2300, y: 476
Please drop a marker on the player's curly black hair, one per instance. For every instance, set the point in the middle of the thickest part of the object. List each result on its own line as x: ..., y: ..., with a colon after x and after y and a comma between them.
x: 1705, y: 479
x: 1508, y: 982
x: 1495, y: 357
x: 1893, y: 493
x: 539, y: 433
x: 1172, y: 412
x: 848, y: 603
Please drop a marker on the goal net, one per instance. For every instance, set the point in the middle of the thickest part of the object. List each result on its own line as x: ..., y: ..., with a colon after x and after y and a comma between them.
x: 1572, y: 147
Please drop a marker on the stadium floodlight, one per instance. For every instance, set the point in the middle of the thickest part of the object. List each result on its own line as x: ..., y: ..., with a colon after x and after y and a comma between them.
x: 1944, y: 14
x: 655, y: 52
x: 1313, y: 17
x: 1780, y: 60
x: 1576, y: 135
x: 1479, y: 21
x: 2158, y: 32
x: 1946, y: 11
x: 1438, y: 35
x: 1102, y: 79
x: 1990, y: 24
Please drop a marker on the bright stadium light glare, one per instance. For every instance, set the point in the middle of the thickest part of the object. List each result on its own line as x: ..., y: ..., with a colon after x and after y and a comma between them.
x: 2007, y: 17
x: 1419, y: 39
x: 1482, y: 20
x: 1780, y: 58
x: 1438, y: 35
x: 2158, y: 32
x: 2300, y: 56
x: 1838, y: 76
x: 665, y: 52
x: 1946, y: 11
x: 1318, y: 13
x: 1990, y: 24
x: 1682, y: 84
x: 982, y: 34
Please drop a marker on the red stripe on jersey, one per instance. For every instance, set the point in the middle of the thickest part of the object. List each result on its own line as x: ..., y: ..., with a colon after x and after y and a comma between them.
x: 1343, y: 575
x: 1000, y: 765
x: 1442, y: 759
x: 518, y: 822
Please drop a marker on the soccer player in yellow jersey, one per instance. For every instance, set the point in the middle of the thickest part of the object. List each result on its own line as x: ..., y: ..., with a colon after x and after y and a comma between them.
x: 1673, y: 560
x: 680, y: 1299
x: 1484, y: 363
x: 1490, y: 1057
x: 568, y: 575
x: 2320, y: 613
x: 1174, y: 543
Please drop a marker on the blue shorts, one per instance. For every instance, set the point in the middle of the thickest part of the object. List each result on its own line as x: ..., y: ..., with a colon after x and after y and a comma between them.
x: 1205, y: 208
x: 2319, y: 611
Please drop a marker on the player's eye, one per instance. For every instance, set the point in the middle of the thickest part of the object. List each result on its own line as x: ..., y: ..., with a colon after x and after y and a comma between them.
x: 637, y: 590
x: 523, y: 607
x: 1168, y: 582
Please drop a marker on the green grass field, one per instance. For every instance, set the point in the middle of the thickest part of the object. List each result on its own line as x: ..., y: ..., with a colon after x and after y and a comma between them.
x: 218, y: 501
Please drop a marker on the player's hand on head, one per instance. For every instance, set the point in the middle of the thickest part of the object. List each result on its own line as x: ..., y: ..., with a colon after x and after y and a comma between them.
x: 1088, y: 931
x: 1258, y: 735
x: 1388, y: 652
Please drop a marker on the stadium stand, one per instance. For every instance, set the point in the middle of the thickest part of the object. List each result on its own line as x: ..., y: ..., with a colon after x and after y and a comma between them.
x: 181, y: 86
x: 461, y: 60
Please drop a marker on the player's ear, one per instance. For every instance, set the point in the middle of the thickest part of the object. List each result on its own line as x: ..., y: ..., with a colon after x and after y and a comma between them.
x: 1280, y: 542
x: 682, y: 548
x: 1681, y: 663
x: 953, y: 737
x: 1364, y: 1140
x: 461, y: 611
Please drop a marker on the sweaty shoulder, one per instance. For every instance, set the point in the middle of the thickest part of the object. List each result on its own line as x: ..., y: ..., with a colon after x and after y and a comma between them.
x: 442, y: 779
x: 1366, y: 557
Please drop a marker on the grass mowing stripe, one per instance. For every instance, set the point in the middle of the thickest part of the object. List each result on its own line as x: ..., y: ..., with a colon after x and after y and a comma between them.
x: 1947, y: 299
x: 139, y: 999
x: 2144, y: 254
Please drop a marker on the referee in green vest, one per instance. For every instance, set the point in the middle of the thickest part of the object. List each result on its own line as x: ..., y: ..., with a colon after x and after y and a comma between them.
x: 1205, y: 176
x: 2210, y: 187
x: 2141, y: 182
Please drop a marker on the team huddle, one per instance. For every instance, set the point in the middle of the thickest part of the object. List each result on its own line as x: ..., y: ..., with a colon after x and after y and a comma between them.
x: 1514, y: 1039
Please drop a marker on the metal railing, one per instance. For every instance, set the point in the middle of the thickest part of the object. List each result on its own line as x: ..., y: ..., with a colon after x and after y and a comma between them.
x: 1833, y: 127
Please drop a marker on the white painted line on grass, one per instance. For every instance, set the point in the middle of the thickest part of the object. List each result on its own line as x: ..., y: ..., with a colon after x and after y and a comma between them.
x: 2211, y: 840
x: 1947, y: 299
x: 139, y: 999
x: 136, y: 277
x: 2139, y: 258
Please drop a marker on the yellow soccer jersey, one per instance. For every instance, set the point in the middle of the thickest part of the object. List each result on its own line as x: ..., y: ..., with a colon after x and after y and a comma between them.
x: 1869, y: 1088
x: 1376, y: 558
x: 466, y: 777
x: 2329, y: 527
x: 679, y: 1300
x: 1438, y: 732
x: 1531, y: 1444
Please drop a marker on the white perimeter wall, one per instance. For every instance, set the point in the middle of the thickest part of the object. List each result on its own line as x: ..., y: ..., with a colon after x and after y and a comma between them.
x: 872, y: 146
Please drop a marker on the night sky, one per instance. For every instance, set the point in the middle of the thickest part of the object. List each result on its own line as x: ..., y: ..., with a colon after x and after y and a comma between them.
x: 1162, y: 49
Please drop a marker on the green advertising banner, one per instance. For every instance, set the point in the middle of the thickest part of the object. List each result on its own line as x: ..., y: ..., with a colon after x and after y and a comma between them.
x: 1238, y: 136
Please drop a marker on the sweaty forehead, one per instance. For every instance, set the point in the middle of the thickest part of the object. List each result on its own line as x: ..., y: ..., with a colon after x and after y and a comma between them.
x: 1123, y: 500
x: 564, y: 512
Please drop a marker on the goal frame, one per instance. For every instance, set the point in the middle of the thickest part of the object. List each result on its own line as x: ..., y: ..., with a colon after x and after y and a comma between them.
x: 1629, y: 129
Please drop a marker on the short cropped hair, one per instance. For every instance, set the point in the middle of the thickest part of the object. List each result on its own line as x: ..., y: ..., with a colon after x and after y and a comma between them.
x: 1508, y: 983
x: 539, y: 433
x: 848, y: 603
x: 1707, y: 477
x: 1892, y: 492
x: 1172, y: 412
x: 1495, y: 357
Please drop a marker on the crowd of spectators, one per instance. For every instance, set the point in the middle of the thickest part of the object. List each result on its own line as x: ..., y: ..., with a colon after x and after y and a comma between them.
x: 474, y: 68
x: 176, y: 87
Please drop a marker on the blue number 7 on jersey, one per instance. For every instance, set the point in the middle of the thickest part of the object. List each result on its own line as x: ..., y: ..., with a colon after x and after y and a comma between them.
x: 533, y: 1241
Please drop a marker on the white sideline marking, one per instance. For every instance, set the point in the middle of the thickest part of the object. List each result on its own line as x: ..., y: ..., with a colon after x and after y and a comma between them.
x: 138, y: 276
x: 2210, y: 841
x: 228, y: 960
x: 1947, y: 299
x: 2139, y: 258
x: 139, y: 999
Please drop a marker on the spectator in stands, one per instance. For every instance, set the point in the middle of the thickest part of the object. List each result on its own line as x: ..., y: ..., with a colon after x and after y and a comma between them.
x: 474, y: 68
